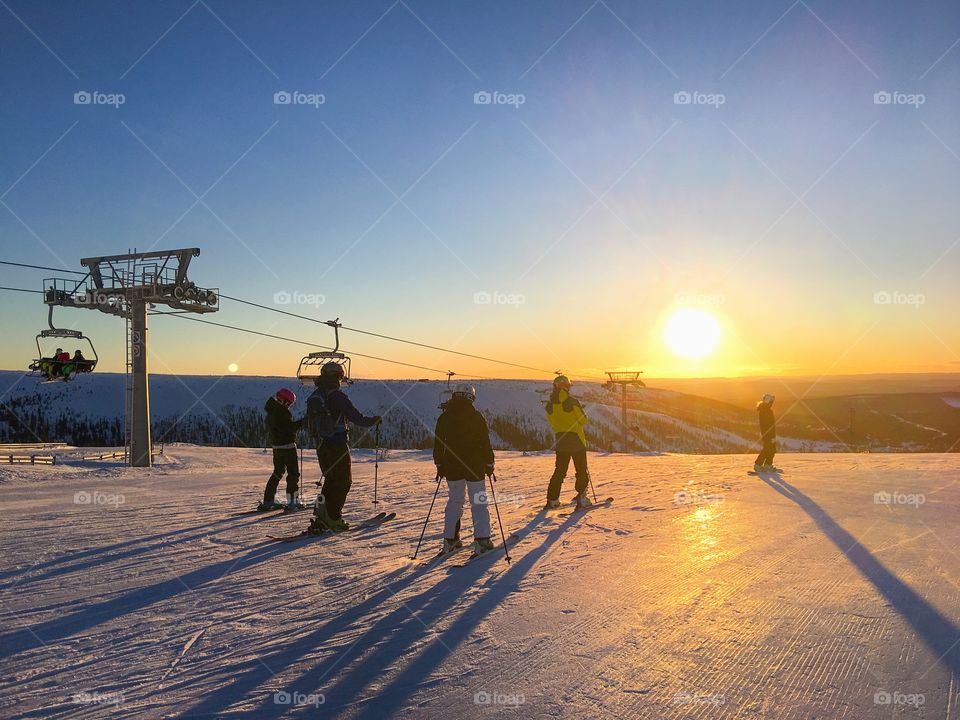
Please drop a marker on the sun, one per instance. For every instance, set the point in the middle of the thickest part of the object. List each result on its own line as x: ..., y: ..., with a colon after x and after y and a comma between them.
x: 692, y: 334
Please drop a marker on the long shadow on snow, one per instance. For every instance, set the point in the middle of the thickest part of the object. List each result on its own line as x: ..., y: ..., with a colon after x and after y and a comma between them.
x: 406, y: 626
x: 51, y: 631
x: 938, y: 632
x: 95, y: 558
x: 437, y: 603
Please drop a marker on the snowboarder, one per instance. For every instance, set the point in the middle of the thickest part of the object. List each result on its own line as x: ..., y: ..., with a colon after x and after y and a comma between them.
x: 282, y: 434
x: 328, y: 411
x: 567, y: 418
x: 768, y: 435
x: 464, y: 457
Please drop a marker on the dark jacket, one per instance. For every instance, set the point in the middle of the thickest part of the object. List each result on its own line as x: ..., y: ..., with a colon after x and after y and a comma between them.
x: 341, y: 410
x: 768, y: 425
x: 461, y: 445
x: 281, y: 427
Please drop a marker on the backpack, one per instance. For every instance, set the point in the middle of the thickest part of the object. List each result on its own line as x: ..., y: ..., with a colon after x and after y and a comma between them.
x: 321, y: 424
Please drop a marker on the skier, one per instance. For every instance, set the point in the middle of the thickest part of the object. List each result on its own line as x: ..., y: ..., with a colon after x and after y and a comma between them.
x: 463, y: 456
x: 768, y: 435
x: 282, y: 433
x: 328, y: 411
x: 567, y: 418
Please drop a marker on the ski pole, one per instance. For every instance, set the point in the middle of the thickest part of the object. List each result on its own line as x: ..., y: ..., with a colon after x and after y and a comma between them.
x: 591, y: 487
x: 429, y: 512
x: 493, y: 489
x: 376, y: 468
x: 300, y: 484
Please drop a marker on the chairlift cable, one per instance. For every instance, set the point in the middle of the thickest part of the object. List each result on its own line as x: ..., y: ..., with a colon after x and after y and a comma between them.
x: 309, y: 344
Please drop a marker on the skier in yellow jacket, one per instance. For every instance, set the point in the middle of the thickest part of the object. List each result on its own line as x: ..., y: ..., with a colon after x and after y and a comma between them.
x: 567, y: 418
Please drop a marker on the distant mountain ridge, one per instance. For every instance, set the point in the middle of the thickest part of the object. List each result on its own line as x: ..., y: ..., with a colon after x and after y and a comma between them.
x: 228, y: 410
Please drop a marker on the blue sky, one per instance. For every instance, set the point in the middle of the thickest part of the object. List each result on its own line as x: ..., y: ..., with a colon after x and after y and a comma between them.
x: 499, y: 198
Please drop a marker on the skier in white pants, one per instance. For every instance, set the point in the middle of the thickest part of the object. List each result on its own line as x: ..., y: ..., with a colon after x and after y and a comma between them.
x: 463, y: 455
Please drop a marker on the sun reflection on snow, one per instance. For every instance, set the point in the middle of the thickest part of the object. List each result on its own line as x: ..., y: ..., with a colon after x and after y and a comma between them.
x: 699, y: 533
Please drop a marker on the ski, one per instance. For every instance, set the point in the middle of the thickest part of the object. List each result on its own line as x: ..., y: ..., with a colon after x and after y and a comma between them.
x: 587, y: 508
x: 496, y: 551
x: 281, y: 509
x: 761, y: 473
x: 374, y: 521
x: 440, y: 557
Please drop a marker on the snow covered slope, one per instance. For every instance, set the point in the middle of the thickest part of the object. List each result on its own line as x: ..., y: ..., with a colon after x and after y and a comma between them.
x: 702, y: 592
x: 228, y: 411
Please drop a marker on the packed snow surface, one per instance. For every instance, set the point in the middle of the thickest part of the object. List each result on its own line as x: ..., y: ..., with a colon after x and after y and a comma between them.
x: 701, y: 592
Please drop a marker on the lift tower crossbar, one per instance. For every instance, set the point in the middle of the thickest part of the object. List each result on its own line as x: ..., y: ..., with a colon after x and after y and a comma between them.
x: 625, y: 379
x: 125, y: 285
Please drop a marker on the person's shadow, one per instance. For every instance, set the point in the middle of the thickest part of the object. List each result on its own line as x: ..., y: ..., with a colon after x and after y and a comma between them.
x: 938, y: 632
x: 405, y: 627
x: 13, y: 642
x: 79, y: 561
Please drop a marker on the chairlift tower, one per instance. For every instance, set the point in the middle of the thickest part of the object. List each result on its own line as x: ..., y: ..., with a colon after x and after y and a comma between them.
x: 625, y: 379
x: 125, y: 286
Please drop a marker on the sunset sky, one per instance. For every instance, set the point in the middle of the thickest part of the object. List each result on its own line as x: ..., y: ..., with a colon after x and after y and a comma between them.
x: 804, y: 200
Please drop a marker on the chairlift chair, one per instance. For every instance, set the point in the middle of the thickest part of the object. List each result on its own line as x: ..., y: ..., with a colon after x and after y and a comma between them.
x: 63, y: 370
x: 447, y: 393
x: 312, y: 364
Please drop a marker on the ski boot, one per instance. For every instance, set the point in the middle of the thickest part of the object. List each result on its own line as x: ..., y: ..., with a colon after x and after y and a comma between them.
x: 323, y: 522
x: 293, y: 504
x: 264, y: 506
x: 583, y: 500
x: 450, y: 545
x: 770, y: 468
x: 551, y: 505
x: 757, y: 467
x: 482, y: 545
x: 337, y: 524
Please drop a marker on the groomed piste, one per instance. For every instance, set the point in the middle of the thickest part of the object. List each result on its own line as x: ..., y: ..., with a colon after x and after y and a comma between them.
x: 825, y: 591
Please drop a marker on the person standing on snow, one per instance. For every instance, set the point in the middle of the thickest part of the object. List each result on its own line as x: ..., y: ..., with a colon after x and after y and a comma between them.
x: 567, y: 418
x: 282, y: 435
x: 768, y: 435
x: 464, y: 457
x: 328, y: 411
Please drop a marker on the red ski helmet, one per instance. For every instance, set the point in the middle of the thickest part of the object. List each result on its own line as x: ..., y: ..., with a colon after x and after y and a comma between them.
x: 287, y: 396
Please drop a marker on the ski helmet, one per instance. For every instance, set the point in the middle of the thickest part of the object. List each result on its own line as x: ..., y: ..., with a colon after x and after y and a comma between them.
x: 287, y: 396
x: 768, y: 398
x: 562, y: 381
x: 332, y: 369
x: 465, y: 391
